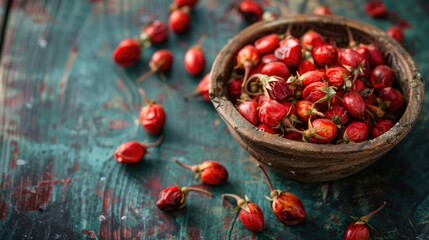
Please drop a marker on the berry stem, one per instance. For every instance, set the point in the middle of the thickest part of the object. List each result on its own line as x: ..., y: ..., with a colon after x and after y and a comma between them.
x: 156, y: 143
x: 144, y: 96
x: 144, y: 76
x: 267, y: 177
x: 201, y: 40
x: 366, y: 217
x: 184, y: 165
x: 193, y: 189
x: 352, y: 42
x: 240, y: 202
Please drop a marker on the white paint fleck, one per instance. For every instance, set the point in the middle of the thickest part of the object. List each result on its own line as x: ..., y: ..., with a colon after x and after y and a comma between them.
x: 123, y: 218
x: 29, y: 105
x: 101, y: 218
x: 42, y: 42
x: 102, y: 179
x: 21, y: 162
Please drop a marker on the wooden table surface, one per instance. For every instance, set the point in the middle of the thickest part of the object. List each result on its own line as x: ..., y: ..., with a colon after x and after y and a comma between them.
x: 65, y: 107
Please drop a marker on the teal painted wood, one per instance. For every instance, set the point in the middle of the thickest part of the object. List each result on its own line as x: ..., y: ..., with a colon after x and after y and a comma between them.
x: 65, y: 107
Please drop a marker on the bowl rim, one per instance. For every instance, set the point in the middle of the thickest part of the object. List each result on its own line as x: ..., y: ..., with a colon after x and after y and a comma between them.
x: 233, y: 118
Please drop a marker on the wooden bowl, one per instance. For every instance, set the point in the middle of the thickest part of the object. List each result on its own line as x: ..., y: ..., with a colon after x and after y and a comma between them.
x: 311, y: 162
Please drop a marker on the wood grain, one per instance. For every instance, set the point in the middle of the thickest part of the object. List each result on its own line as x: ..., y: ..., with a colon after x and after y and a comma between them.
x: 65, y: 106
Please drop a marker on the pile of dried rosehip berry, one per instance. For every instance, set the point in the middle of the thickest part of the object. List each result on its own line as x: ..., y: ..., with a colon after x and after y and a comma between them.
x: 309, y: 89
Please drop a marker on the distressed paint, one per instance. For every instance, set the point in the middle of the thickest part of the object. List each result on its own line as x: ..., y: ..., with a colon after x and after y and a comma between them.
x: 65, y: 107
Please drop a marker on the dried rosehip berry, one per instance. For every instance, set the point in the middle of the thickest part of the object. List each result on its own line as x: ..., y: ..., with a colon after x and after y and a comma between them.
x: 306, y: 66
x: 210, y: 172
x: 396, y: 33
x: 392, y: 99
x: 266, y: 128
x: 358, y: 86
x: 275, y: 87
x: 152, y: 116
x: 174, y: 198
x: 133, y: 152
x: 247, y: 58
x: 321, y: 130
x: 289, y: 52
x: 203, y: 88
x: 271, y: 113
x: 376, y: 9
x: 250, y: 10
x: 312, y: 39
x: 381, y: 77
x: 359, y: 229
x: 234, y: 88
x: 195, y: 58
x: 382, y: 127
x: 356, y: 132
x: 287, y: 207
x: 318, y: 92
x: 354, y: 104
x: 377, y: 57
x: 325, y: 55
x: 267, y: 44
x: 269, y: 58
x: 278, y: 69
x: 127, y: 54
x: 353, y: 62
x: 305, y: 109
x: 338, y: 115
x: 155, y: 32
x: 251, y: 216
x: 249, y: 110
x: 312, y: 77
x: 337, y: 76
x: 180, y: 20
x: 161, y: 61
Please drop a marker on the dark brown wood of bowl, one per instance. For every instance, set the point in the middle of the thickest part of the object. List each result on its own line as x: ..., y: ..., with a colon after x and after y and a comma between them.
x: 310, y: 162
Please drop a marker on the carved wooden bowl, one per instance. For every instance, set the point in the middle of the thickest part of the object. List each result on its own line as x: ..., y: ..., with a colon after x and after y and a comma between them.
x: 311, y: 162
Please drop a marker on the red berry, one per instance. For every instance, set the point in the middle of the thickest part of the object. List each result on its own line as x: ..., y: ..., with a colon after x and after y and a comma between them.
x: 358, y: 86
x: 183, y: 3
x: 292, y: 135
x: 312, y: 39
x: 382, y: 127
x: 396, y: 33
x: 318, y: 92
x: 179, y: 20
x: 152, y: 118
x: 324, y: 55
x: 321, y: 130
x: 338, y: 115
x: 174, y: 198
x: 250, y: 10
x: 356, y: 132
x: 337, y: 76
x: 381, y: 77
x: 247, y: 58
x: 128, y: 52
x: 377, y: 57
x: 271, y: 113
x: 306, y: 66
x: 323, y: 11
x: 210, y: 172
x: 251, y: 216
x: 289, y: 52
x: 268, y: 58
x: 312, y: 77
x: 392, y: 99
x: 359, y: 230
x: 267, y: 44
x: 266, y: 128
x: 275, y: 87
x: 354, y: 104
x: 353, y: 61
x: 278, y: 69
x: 161, y: 61
x: 287, y: 207
x: 249, y: 110
x: 203, y: 88
x: 195, y: 59
x: 133, y: 152
x: 305, y: 110
x: 376, y: 9
x: 156, y: 32
x: 234, y: 88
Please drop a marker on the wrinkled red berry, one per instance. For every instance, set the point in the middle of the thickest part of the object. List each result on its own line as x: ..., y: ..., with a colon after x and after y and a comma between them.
x: 312, y: 77
x: 396, y: 33
x: 376, y: 9
x: 174, y: 198
x: 392, y: 99
x: 312, y: 39
x: 267, y: 44
x: 161, y: 61
x: 356, y: 132
x: 354, y: 104
x: 133, y: 152
x: 325, y: 55
x: 275, y: 87
x: 338, y: 115
x: 381, y: 77
x: 266, y: 128
x: 210, y: 172
x: 318, y: 92
x: 305, y: 110
x: 271, y: 113
x: 249, y: 110
x: 156, y: 32
x: 287, y: 207
x: 289, y: 52
x: 152, y: 118
x: 359, y: 230
x: 382, y: 127
x: 353, y: 61
x: 358, y: 86
x: 337, y: 76
x: 306, y: 66
x: 251, y: 216
x: 321, y: 130
x: 127, y: 54
x: 247, y: 58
